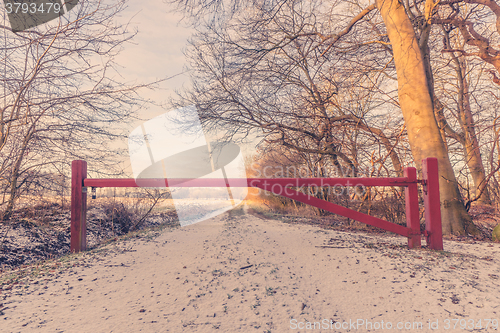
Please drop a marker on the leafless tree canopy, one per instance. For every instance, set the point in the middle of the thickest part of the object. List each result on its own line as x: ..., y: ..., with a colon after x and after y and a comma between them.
x: 266, y: 71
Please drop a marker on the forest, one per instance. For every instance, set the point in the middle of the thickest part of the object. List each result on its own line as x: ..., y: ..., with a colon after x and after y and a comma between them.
x: 367, y: 87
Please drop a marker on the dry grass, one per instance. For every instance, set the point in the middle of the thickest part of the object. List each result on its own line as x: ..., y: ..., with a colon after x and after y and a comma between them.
x: 42, y: 231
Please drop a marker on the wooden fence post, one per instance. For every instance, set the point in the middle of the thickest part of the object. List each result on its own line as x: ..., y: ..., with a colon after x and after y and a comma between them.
x: 412, y: 208
x: 432, y: 204
x: 78, y: 206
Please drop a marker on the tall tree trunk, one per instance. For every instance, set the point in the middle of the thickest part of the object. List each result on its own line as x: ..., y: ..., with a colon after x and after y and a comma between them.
x: 471, y: 145
x: 467, y: 138
x: 438, y: 108
x: 417, y: 107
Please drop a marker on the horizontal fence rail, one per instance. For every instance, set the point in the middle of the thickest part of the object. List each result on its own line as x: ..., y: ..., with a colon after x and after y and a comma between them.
x: 250, y: 182
x: 289, y: 187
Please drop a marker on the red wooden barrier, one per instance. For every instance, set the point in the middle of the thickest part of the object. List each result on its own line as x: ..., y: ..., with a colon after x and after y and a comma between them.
x: 281, y: 186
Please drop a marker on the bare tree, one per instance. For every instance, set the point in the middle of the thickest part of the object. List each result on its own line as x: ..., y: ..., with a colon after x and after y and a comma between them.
x: 401, y: 37
x: 263, y: 74
x: 62, y: 96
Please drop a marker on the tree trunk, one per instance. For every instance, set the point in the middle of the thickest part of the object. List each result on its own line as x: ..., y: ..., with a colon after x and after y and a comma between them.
x: 417, y: 107
x: 467, y: 138
x: 13, y: 188
x: 438, y: 108
x: 471, y: 145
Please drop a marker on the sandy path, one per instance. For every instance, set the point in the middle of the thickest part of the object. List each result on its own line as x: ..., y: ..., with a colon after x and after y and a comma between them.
x: 244, y: 274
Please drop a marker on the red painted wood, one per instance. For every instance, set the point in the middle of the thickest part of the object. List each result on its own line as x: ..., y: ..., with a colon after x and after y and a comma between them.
x: 78, y: 207
x: 412, y: 208
x: 114, y: 182
x: 298, y: 182
x: 252, y: 182
x: 336, y: 209
x: 432, y: 203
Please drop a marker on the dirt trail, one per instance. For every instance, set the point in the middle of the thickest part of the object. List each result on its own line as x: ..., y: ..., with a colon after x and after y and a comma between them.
x: 240, y: 273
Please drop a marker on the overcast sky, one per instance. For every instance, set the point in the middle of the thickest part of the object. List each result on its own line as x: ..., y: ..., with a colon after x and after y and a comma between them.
x: 157, y: 51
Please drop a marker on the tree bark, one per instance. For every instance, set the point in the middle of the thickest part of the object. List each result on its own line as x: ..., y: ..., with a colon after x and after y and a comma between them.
x: 416, y: 104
